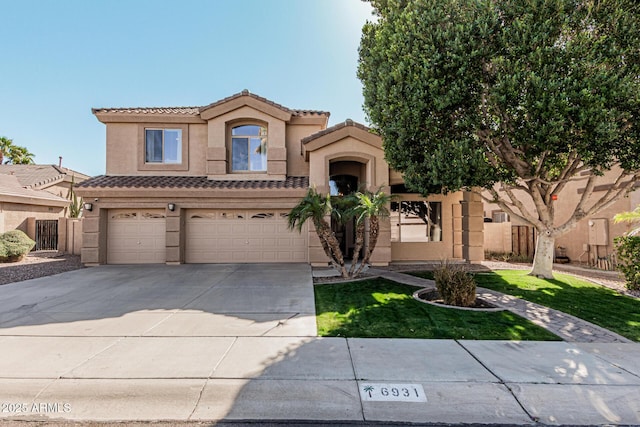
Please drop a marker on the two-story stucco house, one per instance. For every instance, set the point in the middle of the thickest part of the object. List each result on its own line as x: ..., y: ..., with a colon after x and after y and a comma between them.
x: 214, y: 184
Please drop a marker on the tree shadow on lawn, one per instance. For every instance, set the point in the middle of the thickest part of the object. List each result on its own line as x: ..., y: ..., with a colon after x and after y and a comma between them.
x: 593, y: 303
x: 385, y: 309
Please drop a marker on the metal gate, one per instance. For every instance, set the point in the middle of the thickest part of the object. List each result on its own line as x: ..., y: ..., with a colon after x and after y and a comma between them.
x: 46, y: 234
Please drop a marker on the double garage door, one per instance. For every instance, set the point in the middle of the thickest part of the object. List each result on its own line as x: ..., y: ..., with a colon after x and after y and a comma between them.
x: 242, y: 236
x: 210, y: 236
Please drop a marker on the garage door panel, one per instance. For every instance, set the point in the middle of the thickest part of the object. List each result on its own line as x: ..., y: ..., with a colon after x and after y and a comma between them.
x: 252, y: 236
x: 270, y: 242
x: 271, y: 229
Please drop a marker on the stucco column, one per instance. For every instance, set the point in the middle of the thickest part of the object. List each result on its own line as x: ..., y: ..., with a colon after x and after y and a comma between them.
x: 174, y: 235
x: 317, y: 256
x: 62, y: 235
x: 381, y: 255
x: 31, y: 227
x: 94, y: 239
x: 472, y: 227
x: 456, y: 215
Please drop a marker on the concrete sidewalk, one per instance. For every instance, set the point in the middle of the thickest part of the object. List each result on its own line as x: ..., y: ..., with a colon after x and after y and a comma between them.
x: 291, y: 378
x: 209, y: 343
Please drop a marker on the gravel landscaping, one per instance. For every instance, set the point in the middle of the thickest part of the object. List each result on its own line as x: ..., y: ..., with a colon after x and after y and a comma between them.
x: 38, y: 264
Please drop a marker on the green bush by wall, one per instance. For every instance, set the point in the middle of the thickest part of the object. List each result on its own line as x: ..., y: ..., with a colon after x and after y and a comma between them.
x: 629, y: 259
x: 14, y: 245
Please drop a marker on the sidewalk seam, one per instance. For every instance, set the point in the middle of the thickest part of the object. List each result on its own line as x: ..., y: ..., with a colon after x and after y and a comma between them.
x: 120, y: 339
x: 355, y: 378
x: 206, y: 381
x: 501, y: 381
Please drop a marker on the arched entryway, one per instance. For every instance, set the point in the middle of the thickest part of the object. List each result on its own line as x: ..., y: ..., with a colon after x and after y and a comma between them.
x: 345, y: 177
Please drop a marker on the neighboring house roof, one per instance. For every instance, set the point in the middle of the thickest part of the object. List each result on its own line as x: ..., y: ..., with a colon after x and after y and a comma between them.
x: 11, y: 190
x: 195, y: 111
x: 40, y: 176
x: 200, y: 182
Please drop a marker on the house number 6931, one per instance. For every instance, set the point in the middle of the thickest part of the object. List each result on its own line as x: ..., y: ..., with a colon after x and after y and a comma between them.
x: 392, y: 392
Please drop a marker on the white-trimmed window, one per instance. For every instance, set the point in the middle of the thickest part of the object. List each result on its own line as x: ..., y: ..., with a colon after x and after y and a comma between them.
x: 163, y: 145
x: 249, y: 148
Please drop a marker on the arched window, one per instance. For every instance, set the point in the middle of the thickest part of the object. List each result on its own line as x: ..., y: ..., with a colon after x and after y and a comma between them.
x: 249, y: 148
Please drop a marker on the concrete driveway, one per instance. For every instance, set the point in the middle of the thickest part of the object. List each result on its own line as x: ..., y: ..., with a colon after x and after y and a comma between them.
x: 163, y: 301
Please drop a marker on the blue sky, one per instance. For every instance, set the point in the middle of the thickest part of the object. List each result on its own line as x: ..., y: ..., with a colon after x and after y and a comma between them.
x: 61, y: 58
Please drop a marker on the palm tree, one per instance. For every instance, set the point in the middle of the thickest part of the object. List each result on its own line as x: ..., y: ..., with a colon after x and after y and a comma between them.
x: 316, y: 208
x: 371, y: 206
x: 630, y: 217
x: 14, y: 153
x: 21, y: 156
x: 363, y: 206
x: 5, y: 147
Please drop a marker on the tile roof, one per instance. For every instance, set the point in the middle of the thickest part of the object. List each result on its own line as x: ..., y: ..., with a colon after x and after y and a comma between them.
x: 10, y: 186
x: 194, y: 111
x: 187, y: 111
x: 33, y: 175
x: 39, y: 175
x: 186, y: 182
x: 334, y: 128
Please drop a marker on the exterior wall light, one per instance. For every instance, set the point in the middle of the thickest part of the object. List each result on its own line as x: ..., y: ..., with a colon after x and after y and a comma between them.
x: 171, y: 206
x: 88, y: 207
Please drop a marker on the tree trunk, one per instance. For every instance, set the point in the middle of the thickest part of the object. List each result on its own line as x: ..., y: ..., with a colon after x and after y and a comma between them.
x: 374, y: 230
x: 331, y: 247
x: 358, y: 247
x: 543, y: 259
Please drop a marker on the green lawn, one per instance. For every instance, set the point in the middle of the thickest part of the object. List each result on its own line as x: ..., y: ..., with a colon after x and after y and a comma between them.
x: 585, y: 300
x: 385, y: 309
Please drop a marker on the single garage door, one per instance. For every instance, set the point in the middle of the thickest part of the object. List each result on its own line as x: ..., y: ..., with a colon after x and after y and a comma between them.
x: 216, y: 236
x: 136, y: 237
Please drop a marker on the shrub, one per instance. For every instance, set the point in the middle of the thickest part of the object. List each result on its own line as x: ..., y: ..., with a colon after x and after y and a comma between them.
x: 629, y: 259
x: 455, y: 285
x: 14, y: 245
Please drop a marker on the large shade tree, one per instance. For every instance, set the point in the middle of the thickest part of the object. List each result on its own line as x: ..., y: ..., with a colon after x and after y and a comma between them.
x: 512, y: 99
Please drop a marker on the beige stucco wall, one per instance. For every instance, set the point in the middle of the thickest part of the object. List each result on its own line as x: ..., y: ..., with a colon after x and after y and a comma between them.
x: 208, y: 147
x: 122, y: 148
x: 497, y: 237
x: 568, y: 199
x: 125, y: 146
x: 348, y: 149
x: 70, y: 235
x: 14, y: 215
x: 296, y: 164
